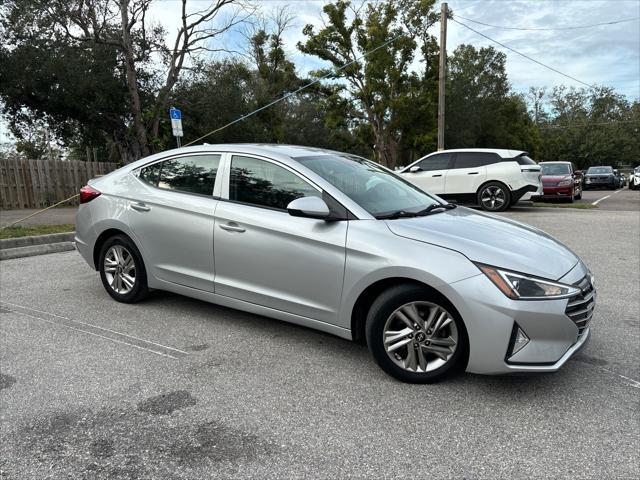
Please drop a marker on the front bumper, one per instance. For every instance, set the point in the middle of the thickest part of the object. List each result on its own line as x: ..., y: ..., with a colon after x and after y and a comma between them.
x: 556, y: 192
x: 597, y: 183
x: 490, y: 316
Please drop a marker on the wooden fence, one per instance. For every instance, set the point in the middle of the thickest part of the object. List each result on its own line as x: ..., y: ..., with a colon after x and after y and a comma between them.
x: 41, y: 183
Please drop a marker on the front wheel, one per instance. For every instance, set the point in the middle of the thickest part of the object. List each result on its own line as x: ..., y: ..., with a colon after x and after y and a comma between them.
x: 494, y: 197
x: 122, y: 270
x: 414, y: 337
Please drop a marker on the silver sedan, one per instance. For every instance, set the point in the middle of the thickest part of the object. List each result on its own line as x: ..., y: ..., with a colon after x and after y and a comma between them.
x: 338, y: 243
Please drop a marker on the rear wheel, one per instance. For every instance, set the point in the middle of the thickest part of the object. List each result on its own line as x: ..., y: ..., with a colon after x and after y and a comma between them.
x: 494, y: 197
x: 415, y: 337
x: 122, y: 270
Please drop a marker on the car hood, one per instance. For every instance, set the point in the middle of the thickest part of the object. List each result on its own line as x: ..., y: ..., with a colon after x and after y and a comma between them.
x: 555, y: 178
x: 490, y: 239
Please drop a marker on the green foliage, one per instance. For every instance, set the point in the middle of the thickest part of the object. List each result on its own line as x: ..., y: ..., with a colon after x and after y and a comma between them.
x: 590, y: 127
x: 381, y: 85
x: 481, y: 110
x: 56, y: 76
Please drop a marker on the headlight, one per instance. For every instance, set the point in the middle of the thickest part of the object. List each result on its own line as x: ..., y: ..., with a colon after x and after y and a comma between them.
x: 588, y: 180
x: 522, y: 287
x: 566, y: 183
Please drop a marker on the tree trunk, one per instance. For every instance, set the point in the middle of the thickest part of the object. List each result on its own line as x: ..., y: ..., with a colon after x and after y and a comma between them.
x: 132, y: 80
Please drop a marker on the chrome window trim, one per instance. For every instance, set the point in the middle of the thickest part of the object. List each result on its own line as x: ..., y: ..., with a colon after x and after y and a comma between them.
x: 216, y: 185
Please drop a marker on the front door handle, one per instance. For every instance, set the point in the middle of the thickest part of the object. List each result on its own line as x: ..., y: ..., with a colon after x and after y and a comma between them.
x: 437, y: 175
x: 232, y: 227
x: 140, y: 207
x: 473, y: 173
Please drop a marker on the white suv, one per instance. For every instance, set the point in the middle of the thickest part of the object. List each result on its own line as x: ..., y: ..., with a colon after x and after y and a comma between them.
x: 634, y: 179
x: 494, y: 179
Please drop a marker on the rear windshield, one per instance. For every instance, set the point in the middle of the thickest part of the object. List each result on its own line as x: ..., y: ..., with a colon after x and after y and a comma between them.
x: 555, y: 169
x: 600, y: 170
x: 524, y: 160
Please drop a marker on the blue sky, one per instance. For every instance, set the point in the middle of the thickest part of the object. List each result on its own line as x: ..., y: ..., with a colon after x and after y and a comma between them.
x: 604, y: 55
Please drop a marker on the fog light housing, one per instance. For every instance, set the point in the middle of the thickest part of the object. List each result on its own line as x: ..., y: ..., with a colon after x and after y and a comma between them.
x: 518, y: 341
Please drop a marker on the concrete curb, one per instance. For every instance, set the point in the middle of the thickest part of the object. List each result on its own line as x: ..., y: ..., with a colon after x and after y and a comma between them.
x: 36, y: 245
x: 33, y: 250
x: 36, y: 240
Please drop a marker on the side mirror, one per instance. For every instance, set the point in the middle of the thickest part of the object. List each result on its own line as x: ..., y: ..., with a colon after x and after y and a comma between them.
x: 309, y: 207
x: 415, y: 169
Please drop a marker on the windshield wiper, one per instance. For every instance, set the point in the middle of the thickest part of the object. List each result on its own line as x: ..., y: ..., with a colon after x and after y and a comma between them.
x: 396, y: 214
x: 435, y: 208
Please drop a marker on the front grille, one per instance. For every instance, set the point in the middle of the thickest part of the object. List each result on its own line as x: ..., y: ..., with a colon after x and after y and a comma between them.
x: 580, y: 307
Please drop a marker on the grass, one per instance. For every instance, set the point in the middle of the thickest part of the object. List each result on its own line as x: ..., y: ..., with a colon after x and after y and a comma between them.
x: 582, y: 206
x: 31, y: 230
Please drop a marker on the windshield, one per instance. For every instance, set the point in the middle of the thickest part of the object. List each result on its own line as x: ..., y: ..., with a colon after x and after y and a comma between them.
x: 374, y: 188
x: 599, y: 170
x: 555, y: 169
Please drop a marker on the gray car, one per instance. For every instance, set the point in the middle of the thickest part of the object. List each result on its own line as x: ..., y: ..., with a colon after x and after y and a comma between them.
x: 338, y: 243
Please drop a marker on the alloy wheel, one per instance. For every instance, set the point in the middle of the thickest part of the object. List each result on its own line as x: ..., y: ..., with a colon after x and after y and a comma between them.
x: 120, y: 269
x: 420, y: 336
x: 493, y: 198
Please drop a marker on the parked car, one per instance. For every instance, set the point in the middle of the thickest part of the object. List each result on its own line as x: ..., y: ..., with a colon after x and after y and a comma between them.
x: 338, y: 243
x: 494, y: 179
x: 561, y: 180
x: 600, y: 177
x: 619, y: 177
x: 634, y: 179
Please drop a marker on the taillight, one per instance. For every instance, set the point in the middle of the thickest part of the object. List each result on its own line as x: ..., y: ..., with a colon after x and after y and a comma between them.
x: 88, y: 193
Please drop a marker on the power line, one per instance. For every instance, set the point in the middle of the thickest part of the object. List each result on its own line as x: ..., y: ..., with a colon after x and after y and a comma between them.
x: 522, y: 54
x: 614, y: 22
x: 284, y: 97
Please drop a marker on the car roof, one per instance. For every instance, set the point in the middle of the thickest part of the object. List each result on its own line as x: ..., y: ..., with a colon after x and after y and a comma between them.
x: 503, y: 152
x: 284, y: 153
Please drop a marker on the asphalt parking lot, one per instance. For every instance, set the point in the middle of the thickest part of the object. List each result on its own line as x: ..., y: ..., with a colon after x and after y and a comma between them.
x: 177, y: 388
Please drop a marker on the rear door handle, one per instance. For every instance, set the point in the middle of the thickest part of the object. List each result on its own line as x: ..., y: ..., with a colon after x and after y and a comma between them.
x: 437, y: 175
x: 140, y: 207
x: 473, y: 173
x: 232, y: 227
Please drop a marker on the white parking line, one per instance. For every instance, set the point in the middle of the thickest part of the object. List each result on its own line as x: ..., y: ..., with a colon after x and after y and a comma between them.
x: 630, y: 381
x: 135, y: 342
x: 604, y: 198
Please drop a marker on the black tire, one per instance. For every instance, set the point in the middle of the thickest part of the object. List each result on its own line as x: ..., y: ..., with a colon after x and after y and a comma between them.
x: 489, y: 189
x: 381, y: 310
x: 140, y: 289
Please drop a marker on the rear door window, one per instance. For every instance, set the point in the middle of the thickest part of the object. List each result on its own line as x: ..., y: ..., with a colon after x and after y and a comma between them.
x: 151, y: 174
x: 192, y: 174
x: 475, y: 159
x: 524, y: 160
x: 439, y: 161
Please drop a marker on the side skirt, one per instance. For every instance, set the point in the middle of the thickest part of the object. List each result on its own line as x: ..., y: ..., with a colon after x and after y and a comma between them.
x: 252, y: 308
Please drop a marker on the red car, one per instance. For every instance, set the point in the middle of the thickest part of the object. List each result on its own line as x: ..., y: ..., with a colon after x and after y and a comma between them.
x: 560, y: 180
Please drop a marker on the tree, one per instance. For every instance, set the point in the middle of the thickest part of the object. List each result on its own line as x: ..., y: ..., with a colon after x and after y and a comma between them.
x: 377, y: 84
x: 146, y: 67
x: 590, y: 127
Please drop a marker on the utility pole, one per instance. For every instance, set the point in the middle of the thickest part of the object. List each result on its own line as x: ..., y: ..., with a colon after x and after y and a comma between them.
x: 442, y: 74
